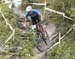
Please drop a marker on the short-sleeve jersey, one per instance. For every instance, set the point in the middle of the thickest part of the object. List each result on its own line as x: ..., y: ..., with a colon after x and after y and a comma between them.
x: 34, y: 13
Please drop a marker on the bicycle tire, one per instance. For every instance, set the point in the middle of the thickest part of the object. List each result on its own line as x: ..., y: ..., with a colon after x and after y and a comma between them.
x: 46, y: 35
x: 39, y: 49
x: 42, y: 36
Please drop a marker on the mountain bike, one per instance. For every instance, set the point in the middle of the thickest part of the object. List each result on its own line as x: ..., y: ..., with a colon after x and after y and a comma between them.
x: 40, y: 35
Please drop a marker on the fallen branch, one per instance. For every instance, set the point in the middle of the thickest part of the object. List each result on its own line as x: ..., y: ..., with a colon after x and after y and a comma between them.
x: 61, y: 13
x: 62, y: 37
x: 68, y: 31
x: 36, y: 3
x: 13, y: 31
x: 51, y: 10
x: 9, y: 38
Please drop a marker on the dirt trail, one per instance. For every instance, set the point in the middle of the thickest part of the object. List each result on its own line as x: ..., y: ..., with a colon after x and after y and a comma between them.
x: 51, y: 29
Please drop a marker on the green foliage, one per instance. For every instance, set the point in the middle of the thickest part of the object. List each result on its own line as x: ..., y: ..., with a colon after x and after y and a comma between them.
x: 17, y: 47
x: 65, y: 50
x: 66, y: 6
x: 22, y: 47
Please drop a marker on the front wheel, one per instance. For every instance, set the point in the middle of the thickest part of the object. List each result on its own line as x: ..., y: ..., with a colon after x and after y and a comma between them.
x: 42, y: 36
x: 45, y: 35
x: 39, y: 48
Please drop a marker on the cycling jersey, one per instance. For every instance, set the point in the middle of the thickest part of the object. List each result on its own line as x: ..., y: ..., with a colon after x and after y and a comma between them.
x: 34, y: 16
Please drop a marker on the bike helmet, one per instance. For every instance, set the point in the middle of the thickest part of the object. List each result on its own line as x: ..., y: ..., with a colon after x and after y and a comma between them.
x: 28, y: 8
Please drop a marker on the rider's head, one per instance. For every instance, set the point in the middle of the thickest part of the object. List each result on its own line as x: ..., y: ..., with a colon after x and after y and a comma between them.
x: 28, y: 9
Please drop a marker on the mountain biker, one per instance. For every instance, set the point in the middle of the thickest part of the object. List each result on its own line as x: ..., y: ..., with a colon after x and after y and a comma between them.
x: 35, y: 15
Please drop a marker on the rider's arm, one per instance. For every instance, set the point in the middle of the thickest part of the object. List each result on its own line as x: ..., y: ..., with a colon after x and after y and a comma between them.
x: 27, y: 21
x: 41, y: 16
